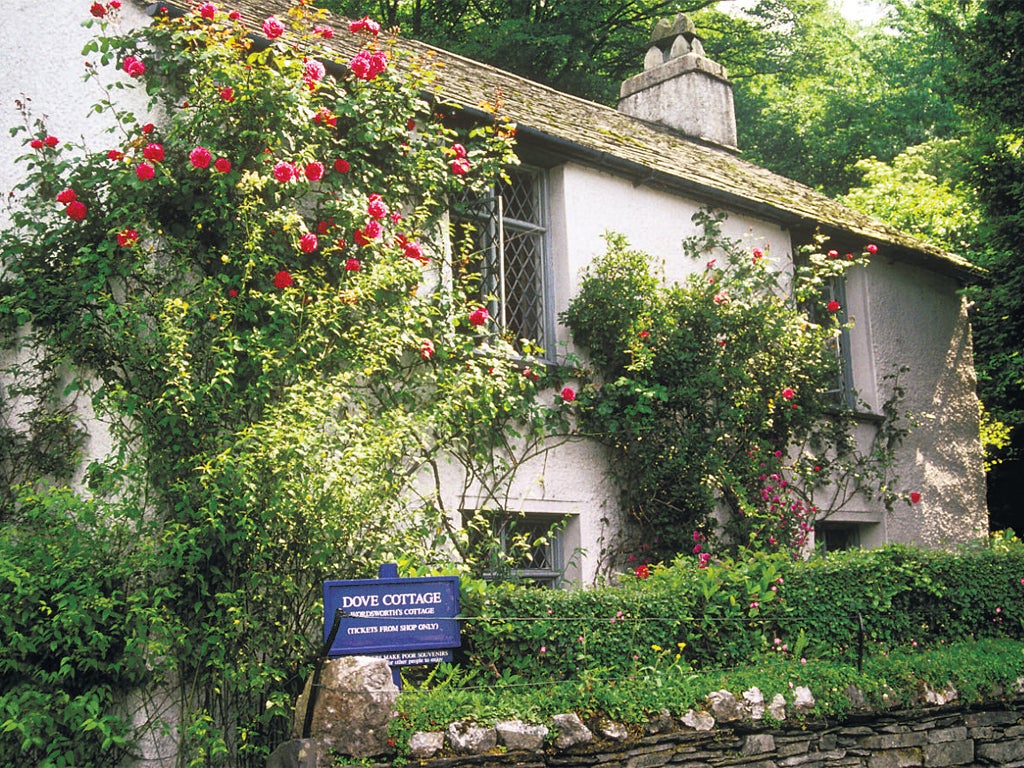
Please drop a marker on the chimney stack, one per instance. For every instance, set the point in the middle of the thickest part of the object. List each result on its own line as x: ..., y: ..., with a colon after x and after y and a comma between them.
x: 680, y: 88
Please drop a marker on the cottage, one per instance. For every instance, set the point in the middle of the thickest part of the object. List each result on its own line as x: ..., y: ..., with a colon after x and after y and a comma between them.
x: 643, y: 170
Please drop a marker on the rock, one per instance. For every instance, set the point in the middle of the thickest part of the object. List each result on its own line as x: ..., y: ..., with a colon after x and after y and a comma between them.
x: 803, y: 701
x: 945, y: 696
x: 297, y: 753
x: 856, y: 697
x: 355, y: 703
x: 724, y: 706
x: 469, y: 739
x: 699, y: 721
x: 515, y: 734
x: 571, y: 731
x: 777, y: 707
x: 660, y: 724
x: 426, y: 744
x: 609, y: 729
x: 753, y: 703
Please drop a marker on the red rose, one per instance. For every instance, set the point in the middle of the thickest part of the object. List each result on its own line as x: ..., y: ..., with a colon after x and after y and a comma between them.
x: 36, y: 143
x: 200, y: 157
x: 234, y: 15
x: 479, y: 316
x: 207, y: 10
x: 368, y: 233
x: 154, y: 152
x: 427, y: 349
x: 272, y: 28
x: 283, y: 279
x: 341, y: 165
x: 133, y: 66
x: 127, y: 237
x: 915, y: 497
x: 232, y: 292
x: 98, y: 10
x: 458, y: 150
x: 413, y: 250
x: 51, y: 141
x: 147, y: 128
x: 460, y: 166
x: 114, y: 154
x: 568, y: 394
x: 833, y: 306
x: 352, y: 265
x: 325, y: 32
x: 222, y: 165
x: 872, y: 249
x: 314, y: 171
x: 285, y: 172
x: 144, y: 171
x: 76, y: 210
x: 308, y: 242
x: 788, y: 393
x: 643, y: 571
x: 227, y: 93
x: 66, y: 196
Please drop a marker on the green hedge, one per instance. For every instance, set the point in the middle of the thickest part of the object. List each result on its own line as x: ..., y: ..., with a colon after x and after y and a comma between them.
x: 828, y: 608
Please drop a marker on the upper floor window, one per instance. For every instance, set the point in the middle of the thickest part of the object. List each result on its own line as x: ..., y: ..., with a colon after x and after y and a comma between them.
x: 843, y: 391
x: 506, y: 233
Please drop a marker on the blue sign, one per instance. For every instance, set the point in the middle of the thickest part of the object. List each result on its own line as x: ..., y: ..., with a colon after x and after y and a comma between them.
x: 400, y: 619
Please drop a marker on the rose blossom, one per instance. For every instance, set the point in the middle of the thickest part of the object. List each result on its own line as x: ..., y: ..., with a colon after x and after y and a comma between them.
x: 308, y: 242
x: 227, y: 93
x: 413, y: 250
x: 427, y: 349
x: 147, y: 128
x: 66, y: 196
x: 98, y: 10
x: 872, y: 249
x: 144, y: 171
x: 51, y: 141
x: 36, y: 143
x: 833, y: 306
x: 234, y: 15
x: 114, y: 154
x: 568, y: 394
x: 314, y: 171
x: 76, y: 210
x: 458, y: 150
x: 273, y: 28
x: 376, y: 207
x: 370, y: 232
x: 133, y: 66
x: 341, y: 165
x: 788, y: 393
x: 200, y: 157
x: 223, y: 165
x: 642, y: 571
x: 154, y: 152
x: 366, y: 65
x: 460, y: 166
x: 285, y: 172
x: 207, y: 10
x: 127, y: 237
x: 313, y: 72
x: 283, y: 279
x: 365, y: 24
x: 325, y: 32
x: 353, y: 265
x: 915, y: 497
x: 478, y: 316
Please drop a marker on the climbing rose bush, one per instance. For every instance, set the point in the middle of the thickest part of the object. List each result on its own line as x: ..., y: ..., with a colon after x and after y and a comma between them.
x: 250, y: 282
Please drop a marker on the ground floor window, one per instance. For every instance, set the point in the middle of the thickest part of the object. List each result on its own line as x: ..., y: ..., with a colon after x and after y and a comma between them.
x: 525, y: 548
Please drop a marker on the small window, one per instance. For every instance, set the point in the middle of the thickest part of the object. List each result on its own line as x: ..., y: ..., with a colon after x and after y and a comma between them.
x: 503, y: 237
x: 842, y: 392
x: 522, y: 548
x: 835, y: 537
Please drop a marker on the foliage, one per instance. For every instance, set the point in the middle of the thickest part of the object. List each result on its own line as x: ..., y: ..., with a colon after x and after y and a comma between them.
x: 845, y: 607
x: 722, y: 391
x: 71, y: 629
x: 253, y: 284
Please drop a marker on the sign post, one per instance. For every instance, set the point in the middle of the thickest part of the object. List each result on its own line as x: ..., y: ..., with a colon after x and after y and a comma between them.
x: 404, y: 621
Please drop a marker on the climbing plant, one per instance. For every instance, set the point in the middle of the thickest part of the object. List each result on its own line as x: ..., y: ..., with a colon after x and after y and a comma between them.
x: 720, y: 392
x: 251, y: 284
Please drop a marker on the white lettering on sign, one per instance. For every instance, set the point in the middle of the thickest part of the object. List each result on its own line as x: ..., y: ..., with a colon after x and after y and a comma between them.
x: 362, y: 630
x: 412, y: 598
x: 359, y: 601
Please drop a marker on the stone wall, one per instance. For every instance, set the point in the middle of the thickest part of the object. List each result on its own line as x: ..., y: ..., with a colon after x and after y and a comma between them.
x: 935, y: 736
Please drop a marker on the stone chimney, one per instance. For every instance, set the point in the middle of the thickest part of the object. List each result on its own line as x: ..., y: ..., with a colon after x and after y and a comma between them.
x: 680, y: 88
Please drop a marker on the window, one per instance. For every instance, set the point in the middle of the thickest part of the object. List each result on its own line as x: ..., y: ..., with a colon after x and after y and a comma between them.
x: 836, y: 537
x: 506, y: 232
x: 843, y: 392
x: 523, y: 548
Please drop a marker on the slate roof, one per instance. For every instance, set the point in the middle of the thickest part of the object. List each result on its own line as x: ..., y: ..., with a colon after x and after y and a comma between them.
x: 601, y: 136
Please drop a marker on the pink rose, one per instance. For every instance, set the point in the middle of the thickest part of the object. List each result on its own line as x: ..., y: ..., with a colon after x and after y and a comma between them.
x: 413, y: 250
x: 207, y: 10
x: 458, y: 150
x: 283, y: 279
x: 325, y: 32
x: 376, y: 207
x: 872, y: 249
x: 365, y: 24
x: 788, y: 393
x: 353, y: 265
x: 223, y: 165
x: 200, y: 157
x: 366, y: 65
x: 568, y: 394
x: 76, y: 210
x: 133, y: 66
x: 427, y: 349
x: 66, y: 196
x: 308, y: 242
x: 273, y: 28
x: 314, y: 171
x: 479, y: 316
x: 460, y: 166
x: 144, y: 171
x: 285, y: 172
x: 313, y: 72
